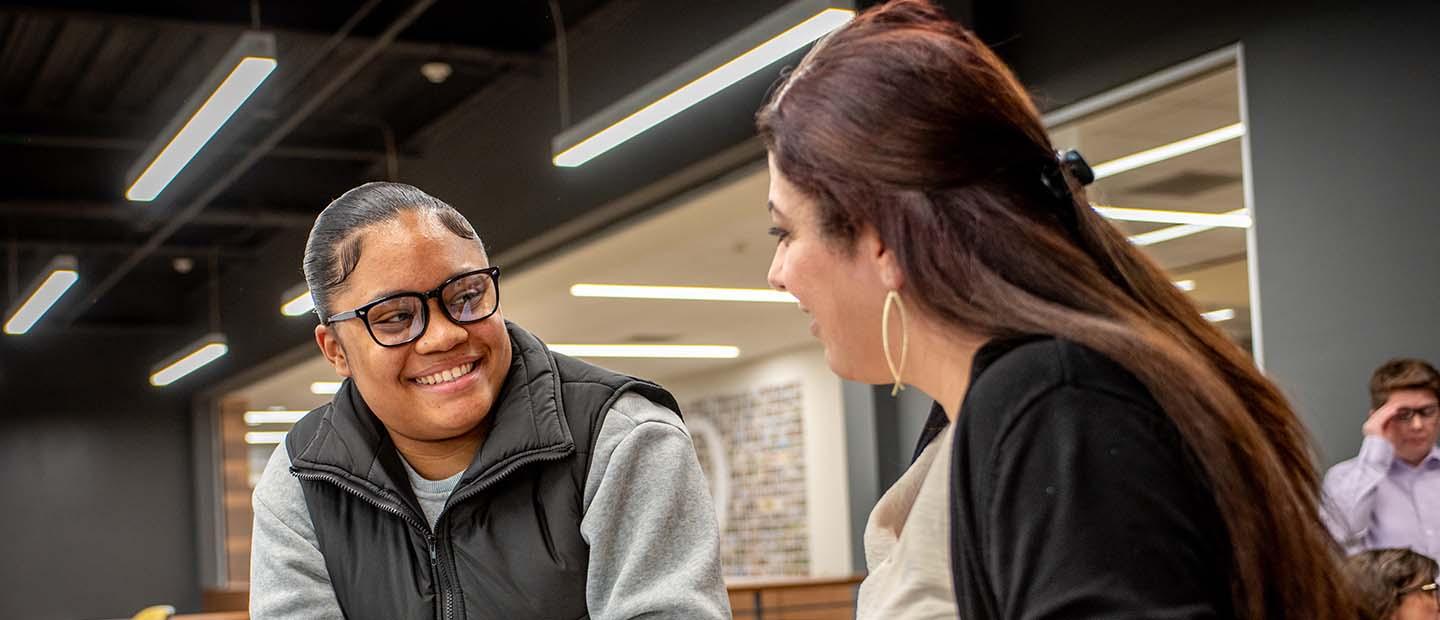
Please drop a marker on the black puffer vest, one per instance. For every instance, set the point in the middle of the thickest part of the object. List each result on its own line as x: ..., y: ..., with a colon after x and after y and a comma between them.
x: 507, y: 544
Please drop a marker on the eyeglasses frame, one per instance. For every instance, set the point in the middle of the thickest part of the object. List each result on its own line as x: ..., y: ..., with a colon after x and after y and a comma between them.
x: 363, y: 311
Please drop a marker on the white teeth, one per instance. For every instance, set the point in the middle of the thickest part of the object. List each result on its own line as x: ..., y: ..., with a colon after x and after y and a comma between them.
x: 446, y: 376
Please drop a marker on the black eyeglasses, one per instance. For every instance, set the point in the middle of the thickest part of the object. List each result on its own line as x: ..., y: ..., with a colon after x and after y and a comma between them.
x: 402, y: 318
x: 1432, y: 588
x: 1426, y: 414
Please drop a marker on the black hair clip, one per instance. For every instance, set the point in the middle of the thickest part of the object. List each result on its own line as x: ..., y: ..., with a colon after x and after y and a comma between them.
x: 1054, y: 180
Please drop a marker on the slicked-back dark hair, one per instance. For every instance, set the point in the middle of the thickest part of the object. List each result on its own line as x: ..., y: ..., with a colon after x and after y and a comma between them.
x: 333, y: 248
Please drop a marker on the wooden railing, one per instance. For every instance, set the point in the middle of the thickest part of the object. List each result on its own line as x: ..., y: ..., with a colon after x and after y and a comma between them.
x: 768, y: 598
x: 794, y: 598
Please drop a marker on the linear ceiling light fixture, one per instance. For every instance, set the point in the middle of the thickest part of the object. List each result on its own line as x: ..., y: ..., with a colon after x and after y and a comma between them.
x: 59, y: 275
x: 260, y: 438
x: 667, y: 351
x: 208, y: 348
x: 189, y: 359
x: 1216, y: 316
x: 296, y: 301
x: 1185, y: 285
x: 763, y: 43
x: 691, y: 293
x: 273, y: 416
x: 233, y: 80
x: 1169, y: 151
x: 1229, y: 220
x: 325, y: 387
x: 1175, y: 232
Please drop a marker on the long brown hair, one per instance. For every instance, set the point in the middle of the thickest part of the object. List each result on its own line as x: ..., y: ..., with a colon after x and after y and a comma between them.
x: 904, y: 122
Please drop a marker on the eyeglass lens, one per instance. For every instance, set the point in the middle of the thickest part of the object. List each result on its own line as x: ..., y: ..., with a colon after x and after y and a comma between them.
x: 402, y: 319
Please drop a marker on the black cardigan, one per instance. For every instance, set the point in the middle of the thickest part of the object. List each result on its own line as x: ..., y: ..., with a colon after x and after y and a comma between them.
x: 1072, y: 495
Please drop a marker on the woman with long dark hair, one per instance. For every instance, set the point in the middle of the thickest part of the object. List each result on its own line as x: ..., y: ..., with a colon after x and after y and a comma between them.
x: 1097, y: 449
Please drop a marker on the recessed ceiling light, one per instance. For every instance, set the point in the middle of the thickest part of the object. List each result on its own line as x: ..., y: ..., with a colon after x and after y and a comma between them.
x: 436, y: 72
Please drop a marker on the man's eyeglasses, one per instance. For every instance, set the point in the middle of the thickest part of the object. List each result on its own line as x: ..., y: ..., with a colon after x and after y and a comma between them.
x: 1426, y: 414
x: 1432, y: 589
x: 402, y: 318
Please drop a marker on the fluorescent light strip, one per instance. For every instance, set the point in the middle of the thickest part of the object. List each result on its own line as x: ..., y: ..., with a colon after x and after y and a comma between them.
x: 1229, y: 220
x: 719, y: 79
x: 693, y: 293
x: 189, y: 363
x: 1185, y: 285
x: 1173, y: 232
x: 1216, y: 316
x: 324, y: 387
x: 1169, y: 151
x: 256, y: 418
x: 264, y: 437
x: 247, y: 76
x: 299, y: 305
x: 44, y: 297
x: 669, y: 351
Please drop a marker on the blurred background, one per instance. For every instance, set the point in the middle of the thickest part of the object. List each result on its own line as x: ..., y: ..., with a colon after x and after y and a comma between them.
x: 1275, y: 159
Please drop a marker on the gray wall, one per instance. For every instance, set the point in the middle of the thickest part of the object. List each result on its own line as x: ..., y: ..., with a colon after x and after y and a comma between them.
x: 1344, y: 121
x: 96, y: 516
x: 1342, y: 112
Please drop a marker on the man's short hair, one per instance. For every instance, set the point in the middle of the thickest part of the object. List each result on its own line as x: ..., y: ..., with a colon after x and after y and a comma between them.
x: 1404, y: 373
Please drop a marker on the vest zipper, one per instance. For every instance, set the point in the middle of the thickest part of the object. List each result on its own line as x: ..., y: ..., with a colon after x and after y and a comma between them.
x: 447, y: 602
x: 552, y: 455
x: 475, y: 489
x: 446, y: 595
x: 394, y: 509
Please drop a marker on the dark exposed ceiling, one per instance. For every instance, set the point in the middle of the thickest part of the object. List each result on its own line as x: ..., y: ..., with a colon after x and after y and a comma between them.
x: 85, y: 87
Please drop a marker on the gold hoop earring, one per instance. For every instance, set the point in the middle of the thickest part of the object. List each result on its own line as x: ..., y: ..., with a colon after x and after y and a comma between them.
x: 895, y: 371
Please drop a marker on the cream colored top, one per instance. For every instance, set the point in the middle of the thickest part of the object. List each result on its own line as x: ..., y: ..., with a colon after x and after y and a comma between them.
x: 907, y: 543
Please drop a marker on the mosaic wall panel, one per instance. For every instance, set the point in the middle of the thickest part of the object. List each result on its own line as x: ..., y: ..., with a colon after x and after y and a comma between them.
x: 761, y: 438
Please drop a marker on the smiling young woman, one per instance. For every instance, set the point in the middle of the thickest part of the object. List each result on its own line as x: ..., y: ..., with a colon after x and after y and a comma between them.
x: 1097, y: 449
x: 463, y: 470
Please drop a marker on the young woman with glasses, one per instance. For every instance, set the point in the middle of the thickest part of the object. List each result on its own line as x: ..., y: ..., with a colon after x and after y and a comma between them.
x: 463, y: 470
x: 1097, y: 449
x: 1395, y: 584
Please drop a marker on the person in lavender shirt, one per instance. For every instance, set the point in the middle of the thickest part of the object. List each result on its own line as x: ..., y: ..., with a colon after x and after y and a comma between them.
x: 1389, y: 495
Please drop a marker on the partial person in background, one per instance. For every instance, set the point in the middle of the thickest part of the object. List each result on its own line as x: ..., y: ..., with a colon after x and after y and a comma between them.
x: 1389, y: 495
x: 1395, y: 584
x: 464, y: 470
x: 1097, y: 449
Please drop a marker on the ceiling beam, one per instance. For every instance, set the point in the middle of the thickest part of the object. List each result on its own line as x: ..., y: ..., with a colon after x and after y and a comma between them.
x: 469, y: 54
x: 132, y: 144
x: 125, y: 212
x: 168, y: 251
